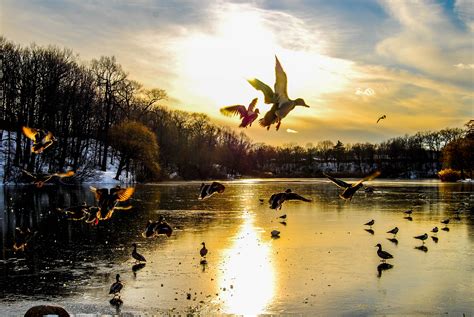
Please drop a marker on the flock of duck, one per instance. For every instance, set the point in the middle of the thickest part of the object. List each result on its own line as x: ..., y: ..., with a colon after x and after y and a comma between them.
x: 282, y: 105
x: 384, y: 255
x: 110, y: 200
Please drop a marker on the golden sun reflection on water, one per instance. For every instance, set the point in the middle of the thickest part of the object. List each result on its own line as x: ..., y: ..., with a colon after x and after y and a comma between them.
x: 247, y: 272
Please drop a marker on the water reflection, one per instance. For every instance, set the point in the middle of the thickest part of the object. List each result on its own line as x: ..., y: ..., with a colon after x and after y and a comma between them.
x: 247, y: 272
x: 372, y: 232
x: 423, y: 248
x: 393, y: 240
x: 383, y: 267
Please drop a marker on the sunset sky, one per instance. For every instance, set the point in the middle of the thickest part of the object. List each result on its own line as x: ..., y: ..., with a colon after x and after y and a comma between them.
x: 351, y: 61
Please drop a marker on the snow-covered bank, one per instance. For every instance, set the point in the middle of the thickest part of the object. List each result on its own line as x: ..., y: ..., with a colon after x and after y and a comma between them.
x: 84, y: 174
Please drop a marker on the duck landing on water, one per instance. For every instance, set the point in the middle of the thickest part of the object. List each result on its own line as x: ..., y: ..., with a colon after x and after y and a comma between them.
x: 276, y: 200
x: 207, y: 190
x: 351, y: 189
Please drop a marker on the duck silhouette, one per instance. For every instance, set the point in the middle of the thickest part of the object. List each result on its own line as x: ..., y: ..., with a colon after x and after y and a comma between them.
x: 276, y: 200
x: 282, y: 104
x: 137, y: 256
x: 247, y: 115
x: 422, y: 237
x: 116, y: 287
x: 108, y: 200
x: 384, y: 255
x: 394, y: 231
x: 207, y: 190
x: 203, y: 251
x: 351, y: 189
x: 42, y: 139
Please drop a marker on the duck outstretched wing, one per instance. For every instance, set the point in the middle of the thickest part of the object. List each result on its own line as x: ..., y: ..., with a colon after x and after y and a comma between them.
x: 280, y: 82
x: 217, y: 187
x: 267, y: 91
x: 122, y: 194
x: 234, y: 111
x: 294, y: 196
x: 338, y: 182
x: 252, y: 104
x: 30, y: 133
x: 367, y: 178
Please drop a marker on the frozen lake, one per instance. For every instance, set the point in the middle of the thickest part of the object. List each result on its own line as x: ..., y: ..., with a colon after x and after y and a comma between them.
x: 324, y: 263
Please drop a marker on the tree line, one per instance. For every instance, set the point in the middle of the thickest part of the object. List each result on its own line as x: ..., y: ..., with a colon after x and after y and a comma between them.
x: 102, y: 118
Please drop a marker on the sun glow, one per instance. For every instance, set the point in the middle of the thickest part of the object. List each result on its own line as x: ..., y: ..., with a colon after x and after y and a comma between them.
x: 247, y: 273
x: 242, y: 44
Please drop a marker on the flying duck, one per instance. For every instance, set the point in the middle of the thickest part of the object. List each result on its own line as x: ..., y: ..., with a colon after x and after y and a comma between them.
x: 422, y: 237
x: 203, y: 251
x: 276, y: 200
x: 108, y: 201
x: 350, y: 189
x: 282, y: 104
x: 248, y: 115
x: 137, y: 256
x: 116, y: 287
x: 207, y: 190
x: 41, y: 138
x: 40, y: 179
x: 384, y: 255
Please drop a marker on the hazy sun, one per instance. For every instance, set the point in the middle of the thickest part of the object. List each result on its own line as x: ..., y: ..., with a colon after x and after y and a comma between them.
x: 242, y: 43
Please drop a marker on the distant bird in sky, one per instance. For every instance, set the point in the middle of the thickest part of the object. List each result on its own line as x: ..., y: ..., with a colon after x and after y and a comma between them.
x: 381, y: 118
x: 116, y: 287
x: 370, y: 223
x: 282, y: 104
x: 207, y: 190
x: 394, y: 231
x: 248, y: 115
x: 422, y: 237
x: 40, y: 179
x: 137, y: 256
x: 108, y: 200
x: 203, y: 251
x: 350, y: 189
x: 41, y: 138
x: 276, y: 200
x: 384, y: 255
